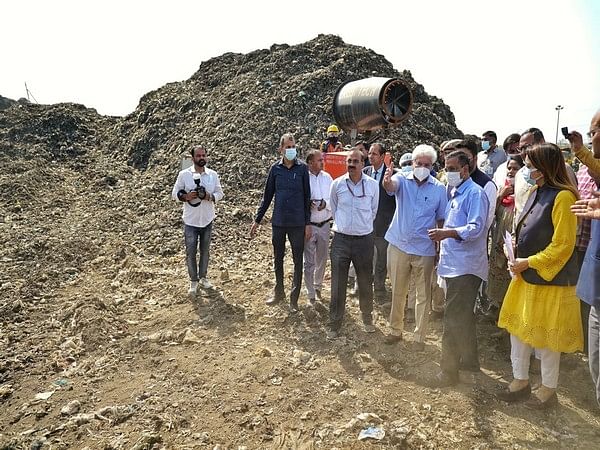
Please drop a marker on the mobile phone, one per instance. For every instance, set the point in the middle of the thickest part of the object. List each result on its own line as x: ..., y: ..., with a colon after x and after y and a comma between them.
x: 565, y: 132
x: 387, y: 159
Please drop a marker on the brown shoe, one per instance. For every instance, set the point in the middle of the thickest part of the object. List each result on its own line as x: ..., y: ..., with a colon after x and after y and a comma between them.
x: 392, y: 339
x: 514, y: 396
x: 536, y: 404
x: 418, y: 346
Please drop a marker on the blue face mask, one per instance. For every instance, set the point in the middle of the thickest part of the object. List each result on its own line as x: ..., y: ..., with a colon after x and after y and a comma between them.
x: 485, y: 145
x: 290, y: 154
x: 407, y: 169
x: 527, y: 175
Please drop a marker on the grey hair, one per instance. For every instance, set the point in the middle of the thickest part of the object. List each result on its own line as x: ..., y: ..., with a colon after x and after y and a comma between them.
x: 284, y: 137
x: 425, y: 150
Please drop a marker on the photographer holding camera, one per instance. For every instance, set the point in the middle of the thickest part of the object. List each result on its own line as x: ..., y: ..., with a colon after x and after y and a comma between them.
x: 198, y: 188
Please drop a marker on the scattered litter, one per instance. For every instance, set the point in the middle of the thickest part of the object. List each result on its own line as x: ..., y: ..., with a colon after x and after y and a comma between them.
x: 371, y: 433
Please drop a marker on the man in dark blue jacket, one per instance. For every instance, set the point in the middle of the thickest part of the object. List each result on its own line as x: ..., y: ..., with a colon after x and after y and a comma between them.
x: 288, y: 182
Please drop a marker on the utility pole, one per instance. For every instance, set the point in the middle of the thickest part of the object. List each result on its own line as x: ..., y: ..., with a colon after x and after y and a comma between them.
x: 558, y: 109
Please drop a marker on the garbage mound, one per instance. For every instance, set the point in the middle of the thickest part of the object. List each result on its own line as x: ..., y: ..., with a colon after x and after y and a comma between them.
x: 239, y: 105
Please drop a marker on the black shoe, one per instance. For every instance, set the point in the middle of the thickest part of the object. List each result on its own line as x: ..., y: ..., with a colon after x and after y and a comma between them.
x: 392, y: 339
x: 333, y: 334
x: 514, y: 396
x: 294, y: 306
x: 536, y: 404
x: 442, y: 379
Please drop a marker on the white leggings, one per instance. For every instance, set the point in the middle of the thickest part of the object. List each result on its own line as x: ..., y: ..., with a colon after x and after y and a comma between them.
x: 520, y: 355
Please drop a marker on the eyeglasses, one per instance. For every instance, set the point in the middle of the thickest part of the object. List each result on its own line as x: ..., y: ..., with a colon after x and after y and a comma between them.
x: 593, y: 132
x: 525, y: 147
x: 354, y: 161
x: 362, y: 184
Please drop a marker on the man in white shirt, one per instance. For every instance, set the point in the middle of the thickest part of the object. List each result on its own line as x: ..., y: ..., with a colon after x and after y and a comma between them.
x: 315, y: 248
x: 198, y: 188
x: 354, y: 199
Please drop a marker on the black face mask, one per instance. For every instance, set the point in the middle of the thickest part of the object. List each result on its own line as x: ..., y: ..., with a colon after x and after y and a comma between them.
x: 332, y: 139
x: 201, y: 163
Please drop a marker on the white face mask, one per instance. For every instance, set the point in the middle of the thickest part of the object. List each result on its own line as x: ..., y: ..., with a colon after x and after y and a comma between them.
x: 453, y: 178
x: 421, y: 173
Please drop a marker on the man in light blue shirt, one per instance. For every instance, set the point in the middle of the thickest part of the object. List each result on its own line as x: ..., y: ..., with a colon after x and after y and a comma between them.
x: 420, y: 205
x: 354, y: 198
x: 463, y: 266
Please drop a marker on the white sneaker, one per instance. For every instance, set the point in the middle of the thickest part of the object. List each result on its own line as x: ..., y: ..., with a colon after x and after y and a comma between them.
x: 193, y: 288
x: 205, y: 283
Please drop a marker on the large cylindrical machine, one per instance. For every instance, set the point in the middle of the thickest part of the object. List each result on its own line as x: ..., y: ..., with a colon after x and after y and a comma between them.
x: 371, y: 103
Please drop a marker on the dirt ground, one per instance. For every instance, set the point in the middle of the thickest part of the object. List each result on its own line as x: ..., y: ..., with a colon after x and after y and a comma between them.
x: 116, y: 356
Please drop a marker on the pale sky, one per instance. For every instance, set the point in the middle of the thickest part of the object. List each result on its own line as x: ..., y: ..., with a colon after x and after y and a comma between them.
x: 501, y: 65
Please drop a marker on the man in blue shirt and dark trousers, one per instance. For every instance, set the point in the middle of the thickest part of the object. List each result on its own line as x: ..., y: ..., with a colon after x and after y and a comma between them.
x: 288, y: 182
x: 463, y: 266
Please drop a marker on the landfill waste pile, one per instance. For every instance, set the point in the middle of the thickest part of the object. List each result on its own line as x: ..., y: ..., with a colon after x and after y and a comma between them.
x: 100, y: 346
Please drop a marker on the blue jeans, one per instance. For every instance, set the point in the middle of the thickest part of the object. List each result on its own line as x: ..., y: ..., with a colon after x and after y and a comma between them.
x: 192, y: 235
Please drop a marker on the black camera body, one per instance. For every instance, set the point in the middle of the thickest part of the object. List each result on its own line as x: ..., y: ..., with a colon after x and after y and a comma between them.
x: 565, y: 132
x: 199, y: 189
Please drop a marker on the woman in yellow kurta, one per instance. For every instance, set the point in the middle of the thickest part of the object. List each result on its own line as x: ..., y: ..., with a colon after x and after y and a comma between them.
x: 540, y: 309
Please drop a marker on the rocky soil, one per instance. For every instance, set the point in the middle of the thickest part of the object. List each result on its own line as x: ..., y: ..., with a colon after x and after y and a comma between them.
x: 101, y: 348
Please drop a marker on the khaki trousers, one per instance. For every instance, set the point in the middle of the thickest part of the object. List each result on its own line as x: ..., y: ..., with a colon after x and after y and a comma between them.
x: 402, y: 268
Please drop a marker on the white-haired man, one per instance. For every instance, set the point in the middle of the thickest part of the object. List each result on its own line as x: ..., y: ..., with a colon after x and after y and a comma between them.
x: 420, y: 206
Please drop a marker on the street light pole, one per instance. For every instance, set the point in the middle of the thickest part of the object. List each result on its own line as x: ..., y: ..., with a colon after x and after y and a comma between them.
x: 558, y: 109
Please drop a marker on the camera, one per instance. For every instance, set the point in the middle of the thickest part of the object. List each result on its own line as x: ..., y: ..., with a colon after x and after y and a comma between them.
x: 199, y: 189
x: 565, y: 132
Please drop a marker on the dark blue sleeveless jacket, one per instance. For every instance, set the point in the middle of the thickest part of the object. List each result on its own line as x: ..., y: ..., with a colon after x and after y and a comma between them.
x: 534, y: 234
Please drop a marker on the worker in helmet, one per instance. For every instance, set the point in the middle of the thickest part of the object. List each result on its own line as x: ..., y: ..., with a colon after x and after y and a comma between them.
x: 331, y: 144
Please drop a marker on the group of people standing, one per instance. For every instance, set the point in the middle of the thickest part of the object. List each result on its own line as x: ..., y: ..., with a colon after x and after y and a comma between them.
x: 431, y: 225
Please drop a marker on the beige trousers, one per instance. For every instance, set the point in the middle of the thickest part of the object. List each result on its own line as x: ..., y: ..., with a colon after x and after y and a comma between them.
x: 402, y: 268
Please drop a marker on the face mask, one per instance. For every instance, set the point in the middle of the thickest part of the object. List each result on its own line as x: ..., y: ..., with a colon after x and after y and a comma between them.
x: 453, y: 178
x: 510, y: 181
x: 527, y: 175
x: 485, y: 145
x: 421, y: 173
x: 333, y: 139
x: 290, y: 154
x: 407, y: 169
